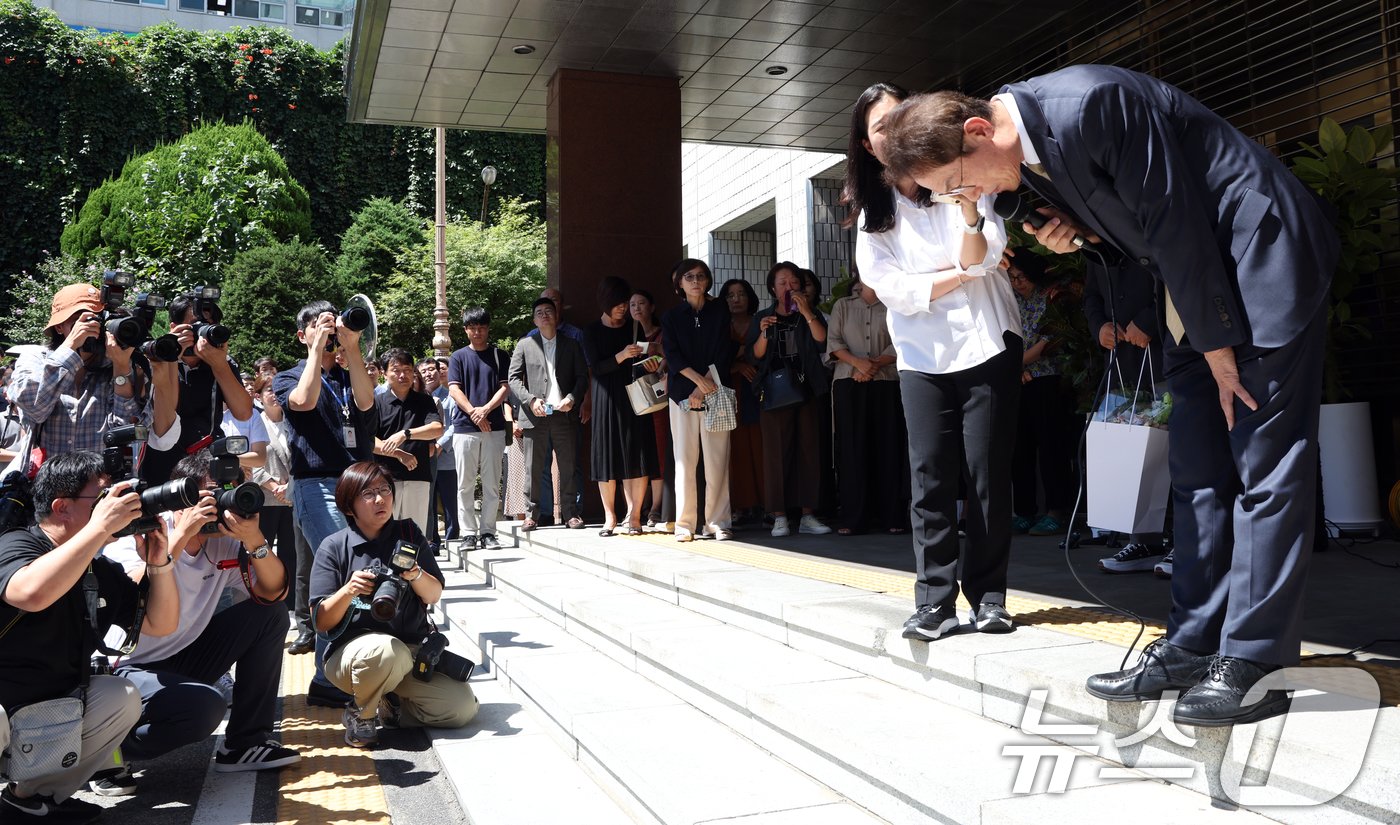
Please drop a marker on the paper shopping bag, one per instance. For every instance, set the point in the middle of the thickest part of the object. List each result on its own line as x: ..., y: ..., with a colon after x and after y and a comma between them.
x: 1129, y: 480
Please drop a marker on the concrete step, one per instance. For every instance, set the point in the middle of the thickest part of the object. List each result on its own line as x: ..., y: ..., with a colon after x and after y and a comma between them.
x: 902, y: 755
x: 858, y: 631
x: 658, y: 758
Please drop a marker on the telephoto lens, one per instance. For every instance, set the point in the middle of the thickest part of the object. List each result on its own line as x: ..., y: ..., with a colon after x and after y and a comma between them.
x: 388, y: 590
x: 216, y: 334
x: 176, y: 494
x: 355, y: 319
x: 244, y: 501
x: 127, y: 330
x: 166, y: 348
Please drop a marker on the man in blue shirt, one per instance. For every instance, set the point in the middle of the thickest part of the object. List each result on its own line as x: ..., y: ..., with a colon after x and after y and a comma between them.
x: 477, y: 378
x: 330, y: 425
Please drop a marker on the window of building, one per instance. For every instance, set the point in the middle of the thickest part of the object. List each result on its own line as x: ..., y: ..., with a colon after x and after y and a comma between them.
x: 274, y: 11
x: 158, y: 3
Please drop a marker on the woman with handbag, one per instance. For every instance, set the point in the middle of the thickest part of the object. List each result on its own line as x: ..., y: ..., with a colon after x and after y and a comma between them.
x: 786, y: 343
x: 695, y: 337
x: 624, y: 443
x: 642, y: 306
x: 932, y: 259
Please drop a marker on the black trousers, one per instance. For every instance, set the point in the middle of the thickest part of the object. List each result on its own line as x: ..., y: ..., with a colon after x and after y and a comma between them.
x: 872, y: 472
x: 1044, y: 439
x: 962, y: 425
x: 1244, y: 499
x: 275, y: 521
x: 554, y: 436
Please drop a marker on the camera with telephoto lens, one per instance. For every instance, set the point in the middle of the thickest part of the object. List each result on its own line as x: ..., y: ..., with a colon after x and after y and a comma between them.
x: 16, y: 501
x: 433, y: 657
x: 165, y: 348
x: 355, y: 319
x: 176, y: 494
x: 130, y: 327
x: 389, y: 584
x: 204, y: 300
x: 245, y: 499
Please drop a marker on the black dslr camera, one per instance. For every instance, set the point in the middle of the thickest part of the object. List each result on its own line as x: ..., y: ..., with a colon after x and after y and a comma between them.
x: 131, y: 327
x: 433, y: 657
x: 116, y: 464
x: 389, y: 585
x: 355, y: 319
x: 245, y: 499
x: 204, y: 300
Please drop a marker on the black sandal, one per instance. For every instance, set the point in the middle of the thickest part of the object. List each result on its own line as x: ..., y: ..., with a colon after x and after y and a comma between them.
x: 654, y: 519
x: 606, y: 532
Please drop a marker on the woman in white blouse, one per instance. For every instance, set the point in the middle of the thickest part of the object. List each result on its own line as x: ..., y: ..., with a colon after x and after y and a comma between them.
x: 932, y: 259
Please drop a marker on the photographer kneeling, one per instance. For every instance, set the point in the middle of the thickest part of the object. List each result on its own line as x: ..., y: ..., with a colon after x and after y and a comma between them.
x: 176, y: 674
x: 56, y: 593
x: 373, y: 643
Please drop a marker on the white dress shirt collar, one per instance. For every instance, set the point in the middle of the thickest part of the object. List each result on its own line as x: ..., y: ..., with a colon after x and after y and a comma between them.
x: 1027, y: 148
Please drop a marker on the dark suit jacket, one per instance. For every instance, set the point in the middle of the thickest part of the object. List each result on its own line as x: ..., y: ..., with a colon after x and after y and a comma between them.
x: 529, y: 375
x: 1245, y: 249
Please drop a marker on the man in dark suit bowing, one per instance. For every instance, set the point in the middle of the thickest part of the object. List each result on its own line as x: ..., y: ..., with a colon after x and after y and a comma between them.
x: 1245, y: 254
x: 548, y: 377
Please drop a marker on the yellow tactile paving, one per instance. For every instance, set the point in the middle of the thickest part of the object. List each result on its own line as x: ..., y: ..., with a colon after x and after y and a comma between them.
x: 1084, y: 622
x: 333, y: 783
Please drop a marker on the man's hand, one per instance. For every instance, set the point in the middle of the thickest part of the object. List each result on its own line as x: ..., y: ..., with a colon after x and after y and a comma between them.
x: 154, y: 547
x: 349, y: 338
x: 190, y: 520
x: 406, y: 458
x: 1135, y: 336
x: 395, y: 442
x: 565, y: 405
x: 244, y: 529
x: 317, y: 336
x: 278, y: 490
x: 184, y: 333
x: 1108, y: 335
x: 1227, y: 378
x: 210, y: 354
x: 1057, y: 235
x: 85, y: 328
x: 478, y: 415
x: 118, y: 508
x: 537, y: 407
x: 361, y: 583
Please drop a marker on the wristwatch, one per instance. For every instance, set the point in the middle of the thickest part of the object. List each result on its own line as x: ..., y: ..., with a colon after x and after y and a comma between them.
x: 975, y: 228
x: 407, y: 435
x: 261, y: 551
x: 120, y: 381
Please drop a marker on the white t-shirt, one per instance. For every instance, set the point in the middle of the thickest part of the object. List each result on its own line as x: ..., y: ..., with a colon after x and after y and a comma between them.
x: 200, y: 581
x: 961, y: 329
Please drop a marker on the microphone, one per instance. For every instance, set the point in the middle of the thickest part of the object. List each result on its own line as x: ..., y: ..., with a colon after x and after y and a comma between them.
x: 1010, y: 208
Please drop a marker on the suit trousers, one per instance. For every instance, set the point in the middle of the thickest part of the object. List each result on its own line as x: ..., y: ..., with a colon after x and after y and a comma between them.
x: 557, y: 434
x: 1245, y: 499
x: 962, y: 425
x: 692, y: 442
x: 870, y: 454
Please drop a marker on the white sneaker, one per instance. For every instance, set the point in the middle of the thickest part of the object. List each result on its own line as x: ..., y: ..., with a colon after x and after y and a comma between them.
x: 811, y: 524
x: 780, y: 527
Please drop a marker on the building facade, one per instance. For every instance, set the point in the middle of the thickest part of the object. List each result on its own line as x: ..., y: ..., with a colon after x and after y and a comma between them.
x: 319, y: 22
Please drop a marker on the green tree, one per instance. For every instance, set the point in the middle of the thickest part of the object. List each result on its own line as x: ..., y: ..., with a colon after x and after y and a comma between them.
x: 185, y: 209
x: 263, y: 289
x: 381, y: 231
x: 500, y: 267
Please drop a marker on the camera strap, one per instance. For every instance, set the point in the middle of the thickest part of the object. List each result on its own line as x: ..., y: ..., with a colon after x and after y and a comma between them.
x: 92, y: 600
x: 245, y: 562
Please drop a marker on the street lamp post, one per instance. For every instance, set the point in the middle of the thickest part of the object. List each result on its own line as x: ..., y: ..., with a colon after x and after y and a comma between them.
x: 442, y: 341
x: 488, y: 177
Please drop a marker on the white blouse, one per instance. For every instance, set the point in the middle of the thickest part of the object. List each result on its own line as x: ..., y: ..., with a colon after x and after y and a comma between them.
x: 961, y: 329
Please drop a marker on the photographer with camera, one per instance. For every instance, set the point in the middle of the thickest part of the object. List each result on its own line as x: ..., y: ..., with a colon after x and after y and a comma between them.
x: 217, y: 544
x: 207, y: 378
x: 58, y: 596
x: 329, y: 413
x: 370, y: 590
x: 84, y: 381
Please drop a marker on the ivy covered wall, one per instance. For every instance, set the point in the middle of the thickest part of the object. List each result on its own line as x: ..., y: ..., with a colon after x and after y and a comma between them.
x: 75, y: 106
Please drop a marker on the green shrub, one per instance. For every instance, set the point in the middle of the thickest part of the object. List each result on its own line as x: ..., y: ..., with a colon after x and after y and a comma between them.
x: 381, y: 231
x: 263, y: 290
x: 187, y: 208
x: 500, y: 267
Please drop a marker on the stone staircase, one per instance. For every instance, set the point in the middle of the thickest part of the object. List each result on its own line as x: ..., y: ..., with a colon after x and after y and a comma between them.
x: 693, y: 689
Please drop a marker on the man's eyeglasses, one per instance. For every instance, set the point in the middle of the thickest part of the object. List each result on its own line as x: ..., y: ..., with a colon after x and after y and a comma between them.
x: 960, y: 188
x: 376, y: 492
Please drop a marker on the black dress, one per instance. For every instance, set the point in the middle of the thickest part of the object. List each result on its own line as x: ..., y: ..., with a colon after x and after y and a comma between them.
x: 624, y: 443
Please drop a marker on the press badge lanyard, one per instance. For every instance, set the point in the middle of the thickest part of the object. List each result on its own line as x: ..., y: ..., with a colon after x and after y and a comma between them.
x: 342, y: 401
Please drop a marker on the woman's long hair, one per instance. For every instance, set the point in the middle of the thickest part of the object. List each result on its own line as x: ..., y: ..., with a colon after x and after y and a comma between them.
x: 865, y: 188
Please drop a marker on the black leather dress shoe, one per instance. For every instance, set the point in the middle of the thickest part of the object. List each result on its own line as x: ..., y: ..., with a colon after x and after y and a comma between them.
x: 1218, y: 700
x: 327, y: 696
x: 304, y: 643
x: 1162, y: 666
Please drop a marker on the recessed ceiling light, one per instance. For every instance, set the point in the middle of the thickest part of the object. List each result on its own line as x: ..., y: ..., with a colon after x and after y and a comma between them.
x: 524, y: 49
x: 776, y: 70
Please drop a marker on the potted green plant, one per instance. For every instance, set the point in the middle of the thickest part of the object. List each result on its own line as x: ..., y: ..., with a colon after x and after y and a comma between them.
x: 1343, y: 169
